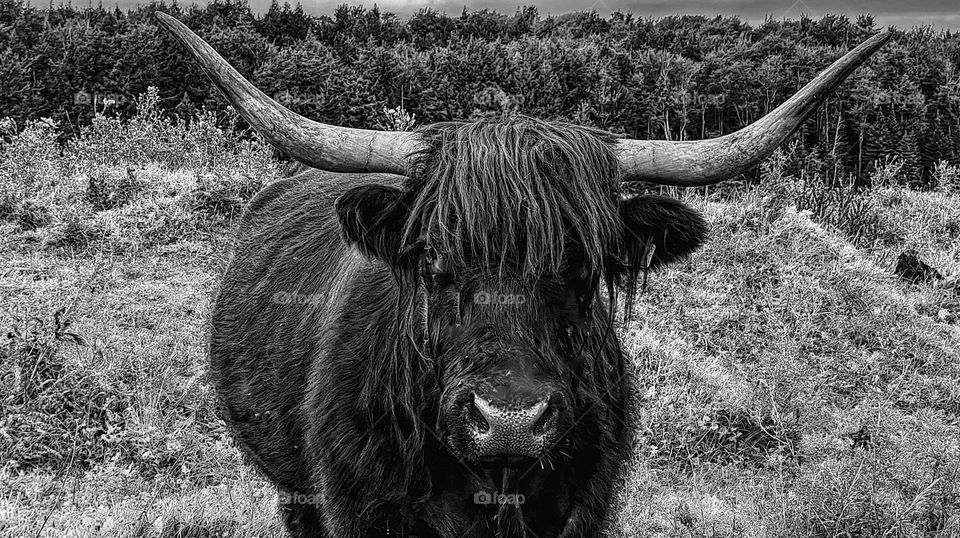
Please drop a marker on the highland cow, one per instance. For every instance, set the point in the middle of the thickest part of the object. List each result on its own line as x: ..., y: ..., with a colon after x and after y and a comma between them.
x: 428, y: 348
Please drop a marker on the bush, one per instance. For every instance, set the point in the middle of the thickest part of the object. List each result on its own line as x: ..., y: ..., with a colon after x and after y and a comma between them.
x: 54, y: 415
x: 838, y: 203
x: 30, y: 164
x: 131, y: 184
x: 947, y: 177
x: 197, y: 143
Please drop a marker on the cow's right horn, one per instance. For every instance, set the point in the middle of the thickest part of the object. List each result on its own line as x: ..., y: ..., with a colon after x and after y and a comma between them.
x: 336, y: 149
x: 701, y: 162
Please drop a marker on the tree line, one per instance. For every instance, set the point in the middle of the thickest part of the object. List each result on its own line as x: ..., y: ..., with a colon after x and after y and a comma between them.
x: 679, y: 78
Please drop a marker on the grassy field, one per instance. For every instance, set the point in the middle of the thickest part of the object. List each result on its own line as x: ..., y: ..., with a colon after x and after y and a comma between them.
x: 792, y: 384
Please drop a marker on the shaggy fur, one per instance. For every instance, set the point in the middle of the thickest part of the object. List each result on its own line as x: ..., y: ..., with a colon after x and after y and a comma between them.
x: 514, y: 195
x: 341, y: 365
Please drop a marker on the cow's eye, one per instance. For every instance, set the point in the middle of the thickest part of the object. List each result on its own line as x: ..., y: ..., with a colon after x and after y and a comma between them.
x: 435, y: 269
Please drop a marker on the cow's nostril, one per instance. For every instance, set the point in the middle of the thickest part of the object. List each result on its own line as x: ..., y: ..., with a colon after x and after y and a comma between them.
x: 547, y: 420
x: 477, y: 417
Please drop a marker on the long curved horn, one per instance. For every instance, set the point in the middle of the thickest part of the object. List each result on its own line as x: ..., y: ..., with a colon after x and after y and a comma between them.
x: 336, y: 149
x: 702, y: 162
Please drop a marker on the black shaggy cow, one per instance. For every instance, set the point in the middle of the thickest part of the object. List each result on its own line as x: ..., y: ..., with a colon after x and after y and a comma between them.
x: 430, y: 351
x: 451, y: 349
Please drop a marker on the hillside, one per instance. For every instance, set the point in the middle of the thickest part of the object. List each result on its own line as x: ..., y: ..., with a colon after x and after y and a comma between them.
x: 795, y: 386
x: 791, y: 383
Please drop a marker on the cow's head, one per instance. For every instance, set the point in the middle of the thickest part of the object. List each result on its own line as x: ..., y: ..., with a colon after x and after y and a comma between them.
x: 506, y: 232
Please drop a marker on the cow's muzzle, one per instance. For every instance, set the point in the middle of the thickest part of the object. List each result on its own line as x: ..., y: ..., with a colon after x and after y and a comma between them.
x: 497, y: 430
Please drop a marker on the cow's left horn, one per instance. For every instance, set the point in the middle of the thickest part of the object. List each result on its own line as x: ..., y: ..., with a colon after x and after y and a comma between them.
x: 336, y: 149
x: 702, y: 162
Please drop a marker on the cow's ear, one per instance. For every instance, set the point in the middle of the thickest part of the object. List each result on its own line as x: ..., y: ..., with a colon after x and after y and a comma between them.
x: 657, y: 230
x: 372, y: 218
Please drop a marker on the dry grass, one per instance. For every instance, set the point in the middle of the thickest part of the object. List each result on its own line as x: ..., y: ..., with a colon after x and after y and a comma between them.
x: 791, y: 384
x: 794, y: 387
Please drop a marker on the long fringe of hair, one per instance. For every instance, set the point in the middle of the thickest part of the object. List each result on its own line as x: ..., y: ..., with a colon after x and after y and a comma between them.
x: 513, y: 194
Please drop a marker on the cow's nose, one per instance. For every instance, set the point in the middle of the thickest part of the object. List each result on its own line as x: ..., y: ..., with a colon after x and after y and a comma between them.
x: 512, y: 428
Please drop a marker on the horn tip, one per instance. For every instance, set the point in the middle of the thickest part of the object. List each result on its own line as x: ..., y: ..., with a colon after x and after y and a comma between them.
x: 882, y: 37
x: 165, y: 19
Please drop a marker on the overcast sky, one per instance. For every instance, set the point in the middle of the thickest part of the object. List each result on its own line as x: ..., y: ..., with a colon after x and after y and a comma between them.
x: 901, y: 13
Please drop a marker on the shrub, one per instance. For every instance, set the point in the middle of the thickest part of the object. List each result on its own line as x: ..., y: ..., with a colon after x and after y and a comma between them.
x: 194, y: 143
x: 887, y: 173
x: 132, y: 184
x: 947, y: 177
x: 30, y: 164
x: 838, y: 203
x: 54, y: 415
x: 396, y: 119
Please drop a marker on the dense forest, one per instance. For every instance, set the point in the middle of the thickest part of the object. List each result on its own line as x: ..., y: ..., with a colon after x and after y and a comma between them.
x: 686, y: 77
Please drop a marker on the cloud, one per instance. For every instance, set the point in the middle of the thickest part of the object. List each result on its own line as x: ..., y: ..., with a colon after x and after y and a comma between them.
x: 910, y: 19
